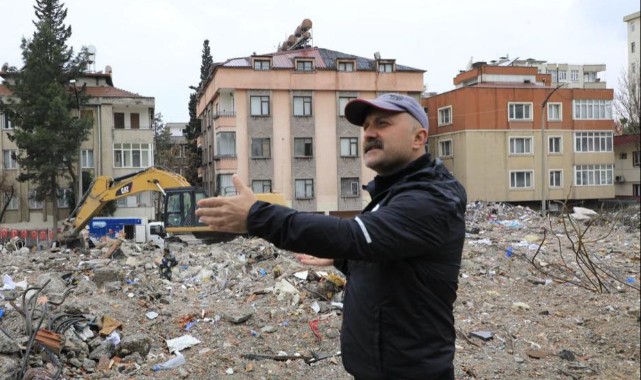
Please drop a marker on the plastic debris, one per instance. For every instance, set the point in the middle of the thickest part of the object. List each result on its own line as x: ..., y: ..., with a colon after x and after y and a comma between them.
x: 180, y: 343
x: 174, y: 362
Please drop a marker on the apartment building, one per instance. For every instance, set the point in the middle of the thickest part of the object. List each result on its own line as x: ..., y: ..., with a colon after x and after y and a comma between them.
x: 634, y: 37
x: 509, y: 134
x: 120, y: 143
x: 179, y: 148
x: 628, y: 147
x: 277, y: 120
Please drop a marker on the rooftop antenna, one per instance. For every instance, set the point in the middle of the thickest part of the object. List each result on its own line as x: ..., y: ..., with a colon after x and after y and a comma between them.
x: 302, y: 35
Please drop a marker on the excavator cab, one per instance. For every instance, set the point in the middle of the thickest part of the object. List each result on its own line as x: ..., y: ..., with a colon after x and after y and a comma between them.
x: 180, y: 211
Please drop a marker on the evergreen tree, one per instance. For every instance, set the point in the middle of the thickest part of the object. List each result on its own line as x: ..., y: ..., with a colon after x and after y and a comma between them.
x: 163, y: 154
x: 192, y: 130
x: 46, y: 133
x: 206, y: 63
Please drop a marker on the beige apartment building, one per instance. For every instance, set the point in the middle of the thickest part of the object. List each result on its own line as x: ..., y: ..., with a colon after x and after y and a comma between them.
x: 628, y: 147
x: 120, y: 143
x: 510, y: 135
x: 277, y: 120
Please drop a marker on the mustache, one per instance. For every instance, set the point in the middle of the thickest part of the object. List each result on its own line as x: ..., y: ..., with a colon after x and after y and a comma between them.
x: 371, y: 144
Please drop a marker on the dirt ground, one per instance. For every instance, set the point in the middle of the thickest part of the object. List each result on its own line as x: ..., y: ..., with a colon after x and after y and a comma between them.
x: 564, y: 309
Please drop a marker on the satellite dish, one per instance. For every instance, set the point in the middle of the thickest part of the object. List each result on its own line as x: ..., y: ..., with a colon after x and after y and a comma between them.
x: 91, y: 49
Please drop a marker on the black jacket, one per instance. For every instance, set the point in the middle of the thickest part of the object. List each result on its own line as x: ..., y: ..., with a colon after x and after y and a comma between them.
x: 401, y: 256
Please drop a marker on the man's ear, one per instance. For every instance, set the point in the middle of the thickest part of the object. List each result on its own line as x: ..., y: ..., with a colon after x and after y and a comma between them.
x: 420, y: 138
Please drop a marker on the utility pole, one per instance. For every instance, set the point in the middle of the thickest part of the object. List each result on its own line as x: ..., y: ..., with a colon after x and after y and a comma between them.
x: 544, y: 176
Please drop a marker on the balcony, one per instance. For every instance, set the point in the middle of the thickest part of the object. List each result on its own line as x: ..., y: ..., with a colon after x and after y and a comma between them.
x: 224, y: 113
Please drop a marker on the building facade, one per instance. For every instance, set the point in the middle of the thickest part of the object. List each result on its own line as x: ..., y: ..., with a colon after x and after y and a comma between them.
x: 277, y: 120
x: 120, y: 143
x: 179, y: 148
x: 509, y: 134
x: 628, y: 147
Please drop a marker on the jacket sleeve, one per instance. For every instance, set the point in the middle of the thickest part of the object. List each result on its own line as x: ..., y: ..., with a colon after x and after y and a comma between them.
x: 412, y: 223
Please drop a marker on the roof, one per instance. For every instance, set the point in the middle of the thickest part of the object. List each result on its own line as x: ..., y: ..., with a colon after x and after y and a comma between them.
x: 627, y: 139
x: 4, y: 90
x: 110, y: 92
x: 324, y: 59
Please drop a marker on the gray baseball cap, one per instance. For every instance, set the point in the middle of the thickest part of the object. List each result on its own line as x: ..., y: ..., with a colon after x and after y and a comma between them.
x: 357, y: 109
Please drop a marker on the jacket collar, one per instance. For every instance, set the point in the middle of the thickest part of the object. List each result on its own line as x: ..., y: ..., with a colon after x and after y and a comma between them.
x: 380, y: 183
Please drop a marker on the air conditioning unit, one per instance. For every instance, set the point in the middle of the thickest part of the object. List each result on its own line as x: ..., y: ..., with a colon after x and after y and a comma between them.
x: 619, y: 179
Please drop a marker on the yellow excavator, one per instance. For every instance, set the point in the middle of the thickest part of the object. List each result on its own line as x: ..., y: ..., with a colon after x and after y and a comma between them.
x: 179, y: 205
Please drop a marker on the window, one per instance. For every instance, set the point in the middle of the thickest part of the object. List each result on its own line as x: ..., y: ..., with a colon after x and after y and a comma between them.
x: 563, y: 76
x: 342, y: 102
x: 574, y: 75
x: 134, y: 119
x: 350, y: 187
x: 632, y: 47
x: 86, y: 158
x: 592, y: 109
x: 5, y: 121
x: 304, y: 188
x: 556, y: 177
x: 633, y: 67
x: 226, y: 144
x: 349, y: 147
x: 632, y: 26
x: 259, y: 105
x: 129, y: 201
x: 224, y: 185
x: 14, y: 203
x: 262, y: 186
x: 8, y: 159
x: 635, y: 158
x: 64, y: 196
x: 445, y: 116
x: 554, y: 75
x: 555, y: 111
x: 623, y: 156
x: 519, y: 111
x: 261, y: 64
x: 303, y: 147
x: 345, y: 66
x: 302, y: 105
x: 593, y: 142
x: 304, y: 65
x: 445, y: 148
x: 636, y: 190
x: 554, y: 144
x: 128, y: 155
x: 33, y: 203
x: 385, y: 67
x: 119, y: 120
x: 521, y: 180
x: 593, y: 175
x: 520, y: 145
x: 261, y: 148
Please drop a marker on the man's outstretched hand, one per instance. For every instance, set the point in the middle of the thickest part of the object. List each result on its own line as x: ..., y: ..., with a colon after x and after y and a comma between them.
x: 227, y: 214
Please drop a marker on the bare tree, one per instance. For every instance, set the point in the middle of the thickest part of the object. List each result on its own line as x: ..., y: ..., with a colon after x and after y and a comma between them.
x: 627, y: 103
x: 7, y: 192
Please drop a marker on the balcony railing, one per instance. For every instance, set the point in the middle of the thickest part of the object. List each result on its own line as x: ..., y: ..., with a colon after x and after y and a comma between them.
x: 224, y: 113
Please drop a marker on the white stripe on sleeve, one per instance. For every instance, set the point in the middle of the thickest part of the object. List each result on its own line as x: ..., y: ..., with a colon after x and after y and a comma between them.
x: 365, y: 233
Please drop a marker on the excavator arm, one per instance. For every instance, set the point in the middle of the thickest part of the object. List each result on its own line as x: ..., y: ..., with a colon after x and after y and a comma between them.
x: 104, y: 189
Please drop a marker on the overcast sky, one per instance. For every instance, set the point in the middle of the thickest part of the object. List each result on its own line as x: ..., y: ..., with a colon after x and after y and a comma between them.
x: 154, y: 46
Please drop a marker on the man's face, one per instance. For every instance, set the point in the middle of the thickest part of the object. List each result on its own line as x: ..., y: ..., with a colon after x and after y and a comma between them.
x: 391, y: 140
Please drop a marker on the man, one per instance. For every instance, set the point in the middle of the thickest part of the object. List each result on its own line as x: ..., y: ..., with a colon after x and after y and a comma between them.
x: 401, y: 256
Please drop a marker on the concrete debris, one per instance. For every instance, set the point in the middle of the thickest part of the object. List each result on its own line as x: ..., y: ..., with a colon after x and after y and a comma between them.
x: 247, y: 305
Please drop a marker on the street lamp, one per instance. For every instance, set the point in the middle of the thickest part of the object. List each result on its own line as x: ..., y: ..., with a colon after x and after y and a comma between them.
x: 75, y: 90
x: 544, y: 177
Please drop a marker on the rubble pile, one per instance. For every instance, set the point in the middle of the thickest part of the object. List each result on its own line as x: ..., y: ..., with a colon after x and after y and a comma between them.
x: 539, y: 297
